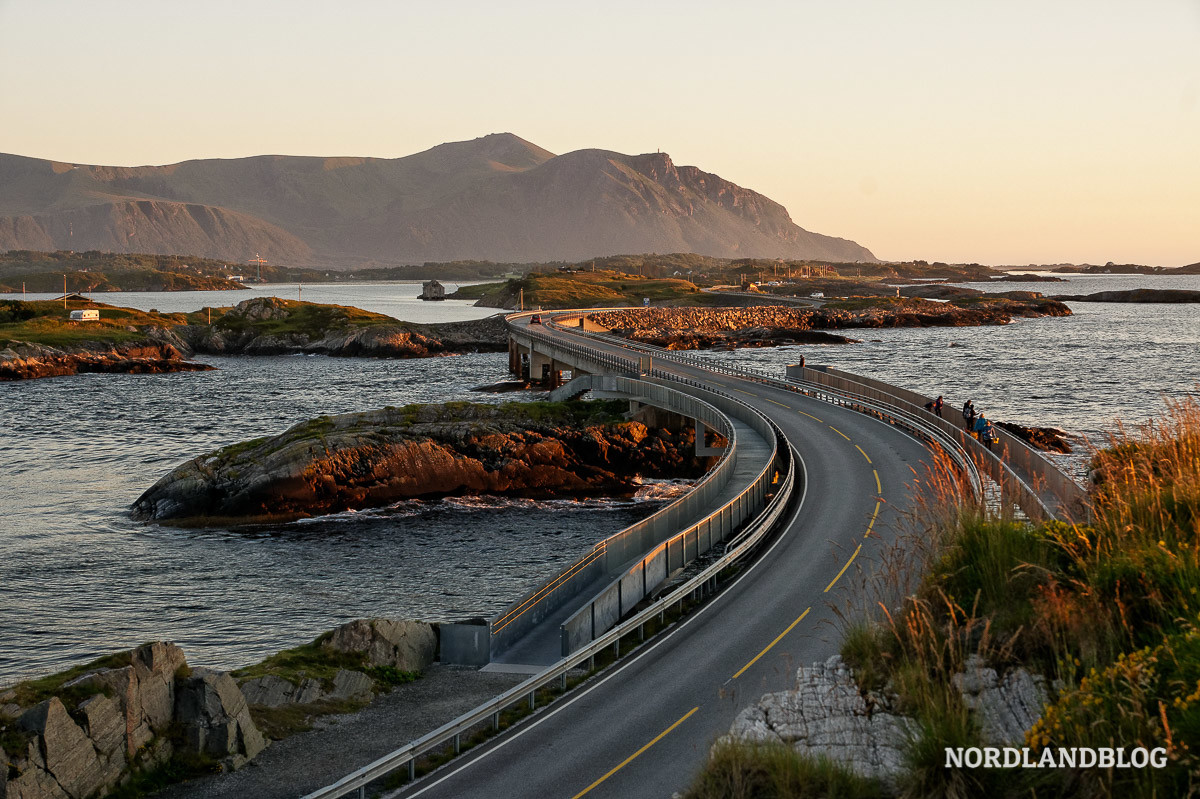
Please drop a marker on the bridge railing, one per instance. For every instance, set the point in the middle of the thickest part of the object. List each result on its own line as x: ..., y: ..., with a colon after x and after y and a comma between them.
x: 609, y: 555
x: 913, y: 422
x: 661, y: 556
x: 451, y: 733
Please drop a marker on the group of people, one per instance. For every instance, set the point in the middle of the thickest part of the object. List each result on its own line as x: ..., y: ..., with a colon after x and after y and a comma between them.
x: 977, y: 425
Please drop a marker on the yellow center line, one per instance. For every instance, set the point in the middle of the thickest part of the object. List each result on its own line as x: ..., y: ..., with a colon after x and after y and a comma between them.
x: 864, y: 452
x: 839, y: 432
x: 747, y: 393
x: 810, y: 416
x: 873, y: 516
x: 631, y: 758
x: 878, y: 487
x: 843, y: 571
x: 780, y: 404
x: 778, y: 638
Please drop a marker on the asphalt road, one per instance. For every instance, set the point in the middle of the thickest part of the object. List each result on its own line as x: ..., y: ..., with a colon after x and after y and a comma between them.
x: 644, y: 728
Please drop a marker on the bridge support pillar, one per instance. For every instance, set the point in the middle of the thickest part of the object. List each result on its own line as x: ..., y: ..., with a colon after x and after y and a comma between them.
x: 702, y: 448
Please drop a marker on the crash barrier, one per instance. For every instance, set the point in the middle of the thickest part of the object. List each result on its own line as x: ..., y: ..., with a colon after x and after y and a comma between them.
x: 642, y: 577
x: 608, y: 556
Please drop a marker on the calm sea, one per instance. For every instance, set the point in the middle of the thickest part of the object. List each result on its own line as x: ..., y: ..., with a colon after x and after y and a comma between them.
x: 78, y: 578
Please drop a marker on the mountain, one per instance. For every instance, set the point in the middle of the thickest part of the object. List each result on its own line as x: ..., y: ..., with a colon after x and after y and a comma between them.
x: 497, y: 198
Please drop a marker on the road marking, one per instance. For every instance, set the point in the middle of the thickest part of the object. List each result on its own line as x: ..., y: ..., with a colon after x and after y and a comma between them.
x: 747, y: 393
x: 780, y: 404
x: 778, y: 638
x: 878, y: 487
x: 810, y: 416
x: 839, y: 432
x: 631, y: 758
x: 864, y: 452
x: 873, y: 516
x: 843, y: 571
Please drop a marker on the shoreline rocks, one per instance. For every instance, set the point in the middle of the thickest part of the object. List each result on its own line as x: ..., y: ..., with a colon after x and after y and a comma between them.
x: 1134, y: 295
x: 24, y: 361
x: 134, y: 711
x: 372, y: 459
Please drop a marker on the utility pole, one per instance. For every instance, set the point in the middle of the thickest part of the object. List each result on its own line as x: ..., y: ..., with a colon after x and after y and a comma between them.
x: 64, y: 291
x: 299, y: 289
x: 521, y: 299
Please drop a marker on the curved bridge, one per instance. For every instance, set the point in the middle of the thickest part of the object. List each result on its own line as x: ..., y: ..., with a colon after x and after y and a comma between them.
x: 642, y: 728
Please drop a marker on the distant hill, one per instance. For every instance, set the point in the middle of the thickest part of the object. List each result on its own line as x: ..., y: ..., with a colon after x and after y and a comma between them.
x: 497, y: 198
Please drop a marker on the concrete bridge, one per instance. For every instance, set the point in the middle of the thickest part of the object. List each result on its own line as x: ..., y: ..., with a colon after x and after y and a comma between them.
x: 817, y: 473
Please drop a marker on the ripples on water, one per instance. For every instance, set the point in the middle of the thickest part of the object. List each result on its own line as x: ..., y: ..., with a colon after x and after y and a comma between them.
x: 78, y: 578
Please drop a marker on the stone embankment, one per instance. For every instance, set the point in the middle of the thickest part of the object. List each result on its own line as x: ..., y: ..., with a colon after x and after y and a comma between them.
x: 24, y: 361
x: 828, y: 715
x: 85, y: 732
x: 372, y: 459
x: 692, y: 328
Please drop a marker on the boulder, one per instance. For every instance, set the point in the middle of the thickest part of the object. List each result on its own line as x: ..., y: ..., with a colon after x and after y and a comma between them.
x: 214, y: 719
x: 66, y: 751
x: 405, y: 645
x: 104, y: 723
x: 352, y: 685
x: 272, y: 691
x: 1006, y: 707
x: 34, y: 783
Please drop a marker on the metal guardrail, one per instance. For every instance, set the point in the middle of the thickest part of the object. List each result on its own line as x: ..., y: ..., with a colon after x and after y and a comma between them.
x: 792, y: 468
x: 527, y: 690
x: 608, y: 555
x: 639, y: 579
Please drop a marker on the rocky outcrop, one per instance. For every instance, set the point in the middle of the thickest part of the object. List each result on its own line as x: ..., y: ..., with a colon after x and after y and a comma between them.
x: 214, y: 719
x: 689, y: 328
x: 97, y: 729
x: 379, y: 457
x: 1134, y: 295
x: 826, y: 714
x: 1047, y: 439
x: 403, y: 645
x: 24, y: 361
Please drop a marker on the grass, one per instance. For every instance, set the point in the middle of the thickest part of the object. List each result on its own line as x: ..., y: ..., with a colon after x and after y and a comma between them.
x: 1109, y: 612
x: 600, y: 289
x: 745, y: 770
x: 310, y: 661
x: 309, y: 319
x: 31, y: 692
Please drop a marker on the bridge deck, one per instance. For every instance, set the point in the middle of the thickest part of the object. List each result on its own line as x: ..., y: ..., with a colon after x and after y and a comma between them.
x: 542, y: 647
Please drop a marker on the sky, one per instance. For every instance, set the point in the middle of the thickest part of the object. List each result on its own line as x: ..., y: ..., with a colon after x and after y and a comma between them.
x: 995, y: 132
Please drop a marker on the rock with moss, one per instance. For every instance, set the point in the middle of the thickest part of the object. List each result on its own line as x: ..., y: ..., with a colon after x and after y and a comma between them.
x: 80, y: 733
x: 376, y: 458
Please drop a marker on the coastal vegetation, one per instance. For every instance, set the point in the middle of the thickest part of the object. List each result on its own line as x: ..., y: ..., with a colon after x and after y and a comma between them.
x: 93, y: 270
x: 1106, y: 611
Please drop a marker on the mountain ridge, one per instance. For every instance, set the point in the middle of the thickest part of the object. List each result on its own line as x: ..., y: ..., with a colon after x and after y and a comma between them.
x: 498, y: 197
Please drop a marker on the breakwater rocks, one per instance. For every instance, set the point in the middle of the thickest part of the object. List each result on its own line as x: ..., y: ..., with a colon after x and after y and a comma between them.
x: 1047, y: 439
x: 1135, y: 295
x: 828, y: 715
x: 373, y: 459
x: 692, y: 328
x: 84, y: 732
x: 24, y: 361
x: 271, y: 326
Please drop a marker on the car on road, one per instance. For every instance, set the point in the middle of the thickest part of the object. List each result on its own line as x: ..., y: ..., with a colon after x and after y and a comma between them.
x: 536, y: 319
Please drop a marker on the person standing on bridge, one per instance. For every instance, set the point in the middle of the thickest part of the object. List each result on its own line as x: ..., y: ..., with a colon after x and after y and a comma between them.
x: 937, y: 405
x: 968, y: 414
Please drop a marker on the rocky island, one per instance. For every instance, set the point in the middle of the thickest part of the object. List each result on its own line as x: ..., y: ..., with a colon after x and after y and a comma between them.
x: 372, y: 459
x: 38, y: 339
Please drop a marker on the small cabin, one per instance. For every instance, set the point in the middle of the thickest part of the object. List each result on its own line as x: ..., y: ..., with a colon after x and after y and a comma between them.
x: 433, y: 290
x: 86, y: 315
